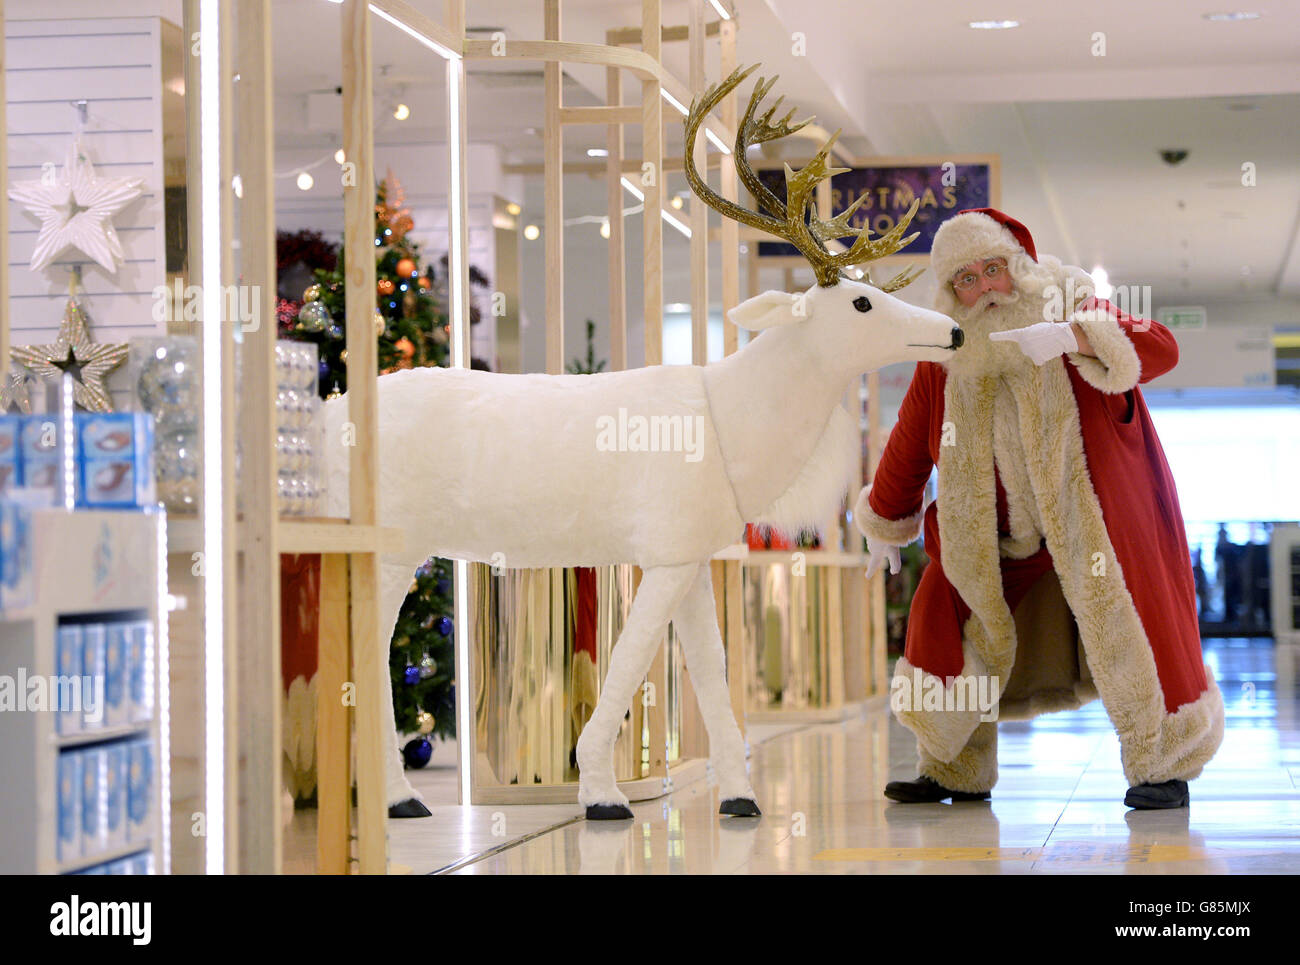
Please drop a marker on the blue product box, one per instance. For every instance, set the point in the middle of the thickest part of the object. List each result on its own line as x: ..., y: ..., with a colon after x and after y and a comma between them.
x: 17, y: 583
x: 139, y: 664
x: 94, y: 649
x: 69, y: 643
x: 94, y: 764
x: 140, y: 790
x: 40, y: 452
x: 115, y: 760
x: 116, y: 652
x: 11, y: 462
x: 68, y: 807
x: 115, y: 460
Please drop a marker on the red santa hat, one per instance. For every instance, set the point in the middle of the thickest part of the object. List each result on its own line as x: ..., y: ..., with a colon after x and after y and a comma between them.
x: 975, y: 234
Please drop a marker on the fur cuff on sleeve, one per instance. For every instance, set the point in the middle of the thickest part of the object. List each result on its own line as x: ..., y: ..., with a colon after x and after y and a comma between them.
x: 893, y: 532
x: 1117, y: 367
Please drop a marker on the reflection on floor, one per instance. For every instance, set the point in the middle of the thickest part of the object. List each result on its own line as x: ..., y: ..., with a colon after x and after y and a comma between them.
x: 1058, y: 805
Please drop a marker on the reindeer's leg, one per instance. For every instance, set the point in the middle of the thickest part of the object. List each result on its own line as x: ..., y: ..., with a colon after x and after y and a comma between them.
x: 403, y: 800
x: 659, y: 594
x: 696, y: 623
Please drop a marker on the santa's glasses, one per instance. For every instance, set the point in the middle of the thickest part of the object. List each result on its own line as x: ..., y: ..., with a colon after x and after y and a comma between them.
x: 966, y: 279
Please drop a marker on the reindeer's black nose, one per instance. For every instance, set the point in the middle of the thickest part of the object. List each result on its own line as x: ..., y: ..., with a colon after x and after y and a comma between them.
x: 958, y: 337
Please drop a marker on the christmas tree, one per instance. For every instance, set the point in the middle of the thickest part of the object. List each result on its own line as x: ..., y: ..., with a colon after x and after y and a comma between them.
x: 411, y: 329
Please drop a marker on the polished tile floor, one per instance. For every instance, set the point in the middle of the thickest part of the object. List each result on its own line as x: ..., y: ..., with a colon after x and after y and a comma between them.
x: 1057, y: 808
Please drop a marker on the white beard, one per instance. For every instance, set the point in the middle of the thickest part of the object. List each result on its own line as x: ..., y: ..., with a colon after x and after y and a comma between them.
x: 994, y: 312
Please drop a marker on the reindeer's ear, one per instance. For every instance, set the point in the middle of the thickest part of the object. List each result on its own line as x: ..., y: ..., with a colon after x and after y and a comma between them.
x: 769, y: 310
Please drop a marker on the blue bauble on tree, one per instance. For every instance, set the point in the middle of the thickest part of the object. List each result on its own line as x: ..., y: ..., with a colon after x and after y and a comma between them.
x: 444, y: 585
x: 445, y: 626
x: 411, y: 676
x: 417, y: 752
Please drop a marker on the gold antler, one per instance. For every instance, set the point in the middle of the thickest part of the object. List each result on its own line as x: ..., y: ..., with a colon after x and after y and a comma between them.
x: 793, y: 220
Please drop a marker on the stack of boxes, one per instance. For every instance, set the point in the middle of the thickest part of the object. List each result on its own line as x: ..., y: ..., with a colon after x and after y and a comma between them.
x: 107, y: 788
x: 111, y: 458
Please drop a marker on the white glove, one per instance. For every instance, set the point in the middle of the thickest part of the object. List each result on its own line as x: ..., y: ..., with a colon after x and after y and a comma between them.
x: 883, y: 553
x: 1042, y: 342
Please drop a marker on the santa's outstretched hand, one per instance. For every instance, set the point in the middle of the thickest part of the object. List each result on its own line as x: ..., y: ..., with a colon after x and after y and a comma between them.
x: 880, y: 553
x: 1042, y: 342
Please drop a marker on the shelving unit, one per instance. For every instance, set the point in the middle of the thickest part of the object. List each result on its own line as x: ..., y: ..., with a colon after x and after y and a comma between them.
x: 88, y: 567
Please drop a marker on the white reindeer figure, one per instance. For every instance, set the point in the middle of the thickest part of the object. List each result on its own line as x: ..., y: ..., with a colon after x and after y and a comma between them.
x: 515, y: 468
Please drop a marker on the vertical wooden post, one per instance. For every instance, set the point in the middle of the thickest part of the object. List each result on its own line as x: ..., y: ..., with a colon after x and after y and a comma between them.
x: 614, y: 203
x: 730, y: 187
x: 369, y: 659
x: 458, y: 195
x: 227, y: 504
x: 553, y: 176
x: 260, y: 687
x: 699, y: 210
x: 333, y: 727
x: 652, y: 121
x: 879, y: 640
x: 652, y: 117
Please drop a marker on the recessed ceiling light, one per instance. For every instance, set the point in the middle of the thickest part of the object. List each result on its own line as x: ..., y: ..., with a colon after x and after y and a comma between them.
x: 993, y: 24
x: 676, y: 202
x: 513, y: 208
x: 1231, y: 16
x: 401, y: 112
x: 597, y: 152
x: 339, y: 156
x: 604, y: 228
x: 305, y: 181
x: 531, y: 232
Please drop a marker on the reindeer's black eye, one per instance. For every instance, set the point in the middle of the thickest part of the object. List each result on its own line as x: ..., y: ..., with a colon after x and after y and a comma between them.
x: 862, y: 303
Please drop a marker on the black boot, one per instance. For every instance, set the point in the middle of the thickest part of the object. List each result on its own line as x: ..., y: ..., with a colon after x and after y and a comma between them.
x: 1151, y: 797
x: 926, y: 790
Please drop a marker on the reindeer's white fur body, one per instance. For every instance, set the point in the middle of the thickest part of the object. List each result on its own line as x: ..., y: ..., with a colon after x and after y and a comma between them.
x: 507, y: 469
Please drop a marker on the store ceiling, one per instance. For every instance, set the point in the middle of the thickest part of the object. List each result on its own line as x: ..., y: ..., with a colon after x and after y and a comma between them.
x: 1079, y: 134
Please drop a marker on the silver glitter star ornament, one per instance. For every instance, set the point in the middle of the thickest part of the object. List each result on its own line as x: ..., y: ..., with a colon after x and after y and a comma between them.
x: 73, y: 348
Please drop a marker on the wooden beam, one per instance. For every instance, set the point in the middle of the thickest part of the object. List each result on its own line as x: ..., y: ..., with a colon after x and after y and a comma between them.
x: 260, y: 687
x: 448, y: 36
x: 333, y: 727
x: 699, y: 215
x: 603, y: 114
x: 553, y: 219
x: 614, y: 207
x: 632, y: 35
x: 369, y: 658
x: 730, y: 229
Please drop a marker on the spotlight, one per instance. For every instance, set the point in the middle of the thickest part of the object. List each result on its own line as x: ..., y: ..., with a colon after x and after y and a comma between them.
x: 305, y: 181
x: 531, y: 232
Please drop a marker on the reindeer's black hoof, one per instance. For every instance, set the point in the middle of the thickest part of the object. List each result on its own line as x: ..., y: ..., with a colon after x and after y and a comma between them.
x: 608, y: 812
x: 740, y: 807
x: 412, y: 807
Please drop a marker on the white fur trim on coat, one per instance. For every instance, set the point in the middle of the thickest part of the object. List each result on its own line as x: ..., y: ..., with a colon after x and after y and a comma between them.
x: 878, y: 529
x: 942, y: 733
x: 1117, y: 367
x: 966, y: 238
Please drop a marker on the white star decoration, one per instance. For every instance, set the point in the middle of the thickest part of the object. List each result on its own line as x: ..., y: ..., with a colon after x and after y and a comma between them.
x: 73, y: 347
x: 75, y: 210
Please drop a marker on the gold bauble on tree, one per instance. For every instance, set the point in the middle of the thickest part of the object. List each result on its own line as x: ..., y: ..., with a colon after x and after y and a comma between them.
x: 312, y: 293
x: 380, y: 324
x: 424, y: 283
x: 406, y: 268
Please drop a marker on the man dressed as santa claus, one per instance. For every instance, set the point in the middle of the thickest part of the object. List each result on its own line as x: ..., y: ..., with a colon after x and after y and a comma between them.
x: 1059, y: 570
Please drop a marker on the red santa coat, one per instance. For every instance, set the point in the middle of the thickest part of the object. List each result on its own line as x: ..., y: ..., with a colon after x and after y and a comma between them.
x: 1137, y: 622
